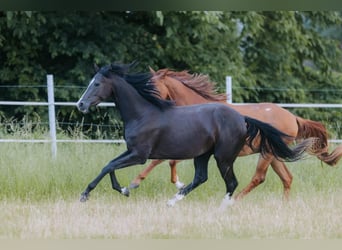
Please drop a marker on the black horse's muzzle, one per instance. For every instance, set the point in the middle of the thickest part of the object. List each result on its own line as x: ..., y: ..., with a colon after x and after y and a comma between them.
x: 83, y: 106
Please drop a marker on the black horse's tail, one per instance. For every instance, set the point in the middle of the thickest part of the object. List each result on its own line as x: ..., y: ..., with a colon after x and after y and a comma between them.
x: 271, y: 140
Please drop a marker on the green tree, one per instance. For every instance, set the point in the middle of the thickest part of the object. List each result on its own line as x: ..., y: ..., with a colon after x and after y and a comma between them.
x: 279, y: 49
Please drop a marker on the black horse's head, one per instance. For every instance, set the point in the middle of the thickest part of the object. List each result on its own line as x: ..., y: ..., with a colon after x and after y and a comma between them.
x: 97, y: 91
x: 99, y: 88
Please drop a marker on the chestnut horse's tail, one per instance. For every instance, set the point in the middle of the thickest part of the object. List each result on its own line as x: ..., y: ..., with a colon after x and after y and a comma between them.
x: 264, y: 138
x: 308, y: 128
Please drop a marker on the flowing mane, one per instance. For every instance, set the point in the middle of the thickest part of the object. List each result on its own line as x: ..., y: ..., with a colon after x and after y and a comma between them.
x: 199, y: 83
x: 140, y: 81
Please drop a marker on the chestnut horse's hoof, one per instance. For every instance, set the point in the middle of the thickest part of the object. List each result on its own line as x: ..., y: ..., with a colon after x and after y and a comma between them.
x: 84, y: 197
x: 133, y: 185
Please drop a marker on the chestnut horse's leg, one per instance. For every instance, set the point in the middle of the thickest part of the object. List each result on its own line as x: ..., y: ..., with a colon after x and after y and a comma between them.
x: 284, y: 174
x: 259, y: 176
x: 136, y: 182
x: 174, y: 177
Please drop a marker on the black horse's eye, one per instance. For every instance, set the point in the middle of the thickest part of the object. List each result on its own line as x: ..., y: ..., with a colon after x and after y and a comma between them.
x: 97, y: 84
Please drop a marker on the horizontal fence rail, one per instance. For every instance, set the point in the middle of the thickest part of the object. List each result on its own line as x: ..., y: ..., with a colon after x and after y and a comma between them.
x: 104, y: 104
x: 52, y: 123
x: 108, y: 104
x: 62, y: 140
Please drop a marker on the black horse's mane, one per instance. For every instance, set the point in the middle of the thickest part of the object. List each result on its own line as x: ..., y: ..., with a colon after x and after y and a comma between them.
x: 140, y: 81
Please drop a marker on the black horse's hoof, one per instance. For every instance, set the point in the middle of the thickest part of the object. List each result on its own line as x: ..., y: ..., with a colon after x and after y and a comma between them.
x: 125, y: 191
x: 84, y: 197
x: 133, y: 185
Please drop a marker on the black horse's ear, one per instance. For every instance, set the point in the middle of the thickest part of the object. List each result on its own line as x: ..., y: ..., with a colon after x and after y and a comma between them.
x: 133, y: 64
x: 96, y: 68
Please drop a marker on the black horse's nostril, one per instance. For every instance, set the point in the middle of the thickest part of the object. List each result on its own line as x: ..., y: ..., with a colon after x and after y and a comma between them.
x: 82, y: 106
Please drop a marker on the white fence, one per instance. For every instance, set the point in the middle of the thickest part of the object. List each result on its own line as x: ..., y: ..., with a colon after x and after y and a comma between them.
x: 52, y: 118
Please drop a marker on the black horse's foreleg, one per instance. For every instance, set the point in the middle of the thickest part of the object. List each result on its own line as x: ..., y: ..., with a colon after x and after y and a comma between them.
x: 126, y: 159
x: 201, y: 176
x: 116, y: 186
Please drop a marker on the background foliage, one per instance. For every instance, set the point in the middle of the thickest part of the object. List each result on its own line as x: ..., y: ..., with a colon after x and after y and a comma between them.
x: 277, y: 56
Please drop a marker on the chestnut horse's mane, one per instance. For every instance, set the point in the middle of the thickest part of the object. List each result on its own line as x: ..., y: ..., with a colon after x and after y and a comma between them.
x: 199, y: 83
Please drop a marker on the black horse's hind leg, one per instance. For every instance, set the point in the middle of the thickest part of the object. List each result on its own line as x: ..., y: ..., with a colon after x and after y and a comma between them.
x: 126, y: 159
x: 225, y: 163
x: 201, y: 176
x: 231, y: 182
x: 228, y: 175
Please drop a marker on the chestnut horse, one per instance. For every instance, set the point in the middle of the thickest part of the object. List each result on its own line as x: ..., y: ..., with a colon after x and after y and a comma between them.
x: 188, y: 89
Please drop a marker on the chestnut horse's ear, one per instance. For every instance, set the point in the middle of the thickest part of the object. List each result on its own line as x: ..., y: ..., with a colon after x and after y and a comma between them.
x: 151, y: 70
x: 96, y: 68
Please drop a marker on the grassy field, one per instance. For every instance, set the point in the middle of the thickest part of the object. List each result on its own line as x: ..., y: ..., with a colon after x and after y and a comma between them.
x: 40, y: 199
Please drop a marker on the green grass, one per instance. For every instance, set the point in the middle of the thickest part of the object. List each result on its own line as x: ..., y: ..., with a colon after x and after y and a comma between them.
x: 39, y: 199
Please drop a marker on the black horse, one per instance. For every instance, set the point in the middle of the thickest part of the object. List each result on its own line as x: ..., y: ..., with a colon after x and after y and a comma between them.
x: 156, y: 129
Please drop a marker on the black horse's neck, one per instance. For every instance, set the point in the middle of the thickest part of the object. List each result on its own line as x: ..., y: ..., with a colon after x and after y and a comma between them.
x: 134, y: 93
x: 129, y: 102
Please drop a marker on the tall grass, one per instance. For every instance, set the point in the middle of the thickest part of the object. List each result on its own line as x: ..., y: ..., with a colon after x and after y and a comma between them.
x: 39, y: 199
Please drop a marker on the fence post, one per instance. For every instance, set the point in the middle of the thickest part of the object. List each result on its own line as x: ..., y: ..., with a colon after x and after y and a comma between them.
x: 52, y: 116
x: 229, y: 89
